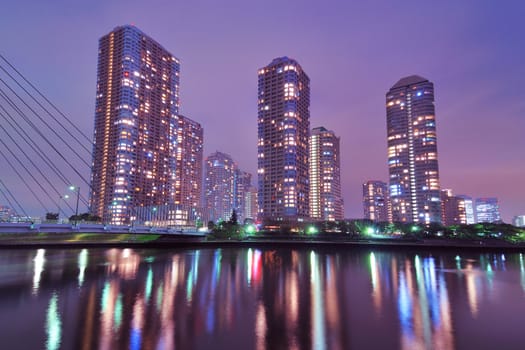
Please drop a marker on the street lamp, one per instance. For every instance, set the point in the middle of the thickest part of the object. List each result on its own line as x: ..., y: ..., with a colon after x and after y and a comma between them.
x: 76, y: 188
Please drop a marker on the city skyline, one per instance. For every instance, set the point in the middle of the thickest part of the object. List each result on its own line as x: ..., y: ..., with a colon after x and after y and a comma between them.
x: 473, y: 67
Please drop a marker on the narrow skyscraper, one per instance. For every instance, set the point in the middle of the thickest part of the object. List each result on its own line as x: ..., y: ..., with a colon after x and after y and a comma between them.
x: 243, y: 183
x: 376, y: 204
x: 219, y: 186
x: 412, y: 151
x: 326, y: 202
x: 283, y: 131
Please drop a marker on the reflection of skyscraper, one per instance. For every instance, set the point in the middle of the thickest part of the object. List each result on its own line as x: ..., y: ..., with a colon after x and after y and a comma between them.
x: 412, y: 151
x: 283, y: 128
x: 376, y: 204
x: 137, y: 103
x: 487, y: 210
x: 326, y: 202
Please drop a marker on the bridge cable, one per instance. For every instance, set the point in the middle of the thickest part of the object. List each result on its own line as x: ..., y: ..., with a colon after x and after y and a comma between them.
x: 33, y: 164
x: 23, y: 179
x: 73, y: 125
x: 35, y: 128
x: 46, y: 124
x: 13, y: 197
x: 19, y: 130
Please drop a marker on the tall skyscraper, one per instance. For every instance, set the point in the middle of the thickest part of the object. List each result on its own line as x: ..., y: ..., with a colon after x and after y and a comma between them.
x: 242, y: 184
x: 487, y: 210
x: 188, y: 170
x: 140, y: 157
x: 283, y: 130
x: 376, y: 203
x: 251, y: 207
x: 412, y: 151
x: 326, y: 202
x: 456, y: 210
x: 219, y: 186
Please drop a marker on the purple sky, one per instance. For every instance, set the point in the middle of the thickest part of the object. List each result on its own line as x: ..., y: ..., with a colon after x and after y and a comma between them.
x: 473, y: 52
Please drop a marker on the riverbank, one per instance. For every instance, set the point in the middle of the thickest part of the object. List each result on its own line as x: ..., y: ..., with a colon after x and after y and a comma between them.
x: 164, y: 241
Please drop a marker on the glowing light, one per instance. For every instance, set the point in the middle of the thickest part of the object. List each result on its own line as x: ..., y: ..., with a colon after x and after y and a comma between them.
x: 312, y: 230
x: 250, y: 229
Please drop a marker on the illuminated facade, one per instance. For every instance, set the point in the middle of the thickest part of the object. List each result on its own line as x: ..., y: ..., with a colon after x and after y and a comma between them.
x: 219, y: 186
x: 376, y: 204
x: 250, y: 202
x: 412, y: 151
x: 282, y: 148
x: 187, y: 191
x: 326, y: 202
x: 242, y: 185
x: 456, y: 210
x: 487, y: 210
x: 136, y: 125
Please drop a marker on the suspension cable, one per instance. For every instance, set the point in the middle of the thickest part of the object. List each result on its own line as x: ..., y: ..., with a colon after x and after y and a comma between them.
x: 47, y: 100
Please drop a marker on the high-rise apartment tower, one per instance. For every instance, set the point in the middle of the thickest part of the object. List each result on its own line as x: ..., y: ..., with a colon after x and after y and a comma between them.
x: 412, y: 151
x: 283, y: 131
x: 326, y: 202
x: 138, y: 131
x: 219, y: 186
x: 376, y: 204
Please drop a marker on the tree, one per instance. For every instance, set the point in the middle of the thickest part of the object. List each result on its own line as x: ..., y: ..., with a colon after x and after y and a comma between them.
x: 233, y: 218
x: 51, y: 216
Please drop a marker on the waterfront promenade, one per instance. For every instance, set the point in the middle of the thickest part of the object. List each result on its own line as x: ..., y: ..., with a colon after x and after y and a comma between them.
x: 74, y: 236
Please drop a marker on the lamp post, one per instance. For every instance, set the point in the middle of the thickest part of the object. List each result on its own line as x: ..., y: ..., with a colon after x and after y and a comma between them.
x: 76, y: 188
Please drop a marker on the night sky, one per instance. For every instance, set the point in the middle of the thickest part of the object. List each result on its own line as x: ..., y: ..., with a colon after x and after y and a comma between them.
x: 353, y: 52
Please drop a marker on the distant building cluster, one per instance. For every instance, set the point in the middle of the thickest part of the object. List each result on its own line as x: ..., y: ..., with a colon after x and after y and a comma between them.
x: 6, y: 213
x: 148, y: 158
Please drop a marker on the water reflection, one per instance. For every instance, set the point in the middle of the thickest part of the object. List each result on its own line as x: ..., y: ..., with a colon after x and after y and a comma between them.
x: 39, y: 261
x: 53, y: 324
x: 259, y: 298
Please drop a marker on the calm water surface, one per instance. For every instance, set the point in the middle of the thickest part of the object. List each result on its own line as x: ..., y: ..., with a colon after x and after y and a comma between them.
x: 260, y: 299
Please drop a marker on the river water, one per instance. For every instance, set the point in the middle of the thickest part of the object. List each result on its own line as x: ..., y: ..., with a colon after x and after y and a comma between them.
x: 249, y: 298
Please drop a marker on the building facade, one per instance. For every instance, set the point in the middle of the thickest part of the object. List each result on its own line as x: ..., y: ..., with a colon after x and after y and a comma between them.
x: 326, y: 202
x: 376, y: 204
x: 242, y: 184
x: 518, y: 220
x: 219, y: 186
x: 145, y: 154
x: 456, y: 210
x: 187, y: 187
x: 412, y: 151
x: 251, y: 206
x: 487, y: 210
x: 282, y: 149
